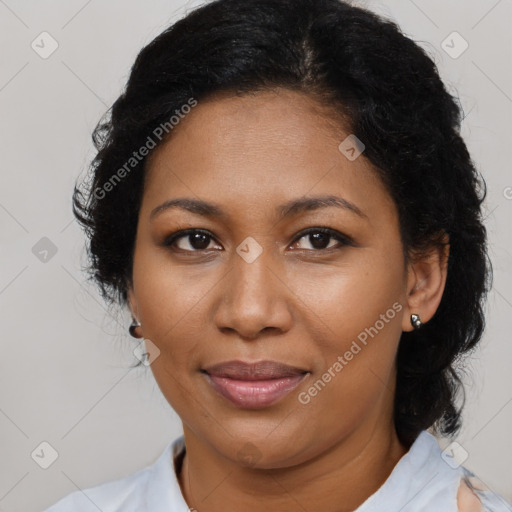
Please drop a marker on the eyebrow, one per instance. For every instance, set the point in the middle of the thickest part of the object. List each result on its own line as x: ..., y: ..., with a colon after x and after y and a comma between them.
x: 288, y: 209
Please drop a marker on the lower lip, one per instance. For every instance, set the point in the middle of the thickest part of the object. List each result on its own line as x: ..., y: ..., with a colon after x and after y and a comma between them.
x: 254, y: 394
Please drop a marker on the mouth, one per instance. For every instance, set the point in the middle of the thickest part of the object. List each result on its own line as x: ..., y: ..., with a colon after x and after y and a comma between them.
x: 253, y: 385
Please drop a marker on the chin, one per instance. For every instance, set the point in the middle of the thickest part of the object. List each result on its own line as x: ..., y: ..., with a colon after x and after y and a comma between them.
x: 261, y: 450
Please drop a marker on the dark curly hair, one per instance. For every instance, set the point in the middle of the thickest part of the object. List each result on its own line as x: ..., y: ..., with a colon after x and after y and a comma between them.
x: 388, y: 92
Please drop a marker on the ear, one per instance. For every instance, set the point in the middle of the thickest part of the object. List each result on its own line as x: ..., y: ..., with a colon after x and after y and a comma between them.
x: 426, y: 279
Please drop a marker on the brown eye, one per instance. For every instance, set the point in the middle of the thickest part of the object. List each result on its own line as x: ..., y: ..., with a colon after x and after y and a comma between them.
x: 189, y: 240
x: 322, y: 238
x: 197, y: 240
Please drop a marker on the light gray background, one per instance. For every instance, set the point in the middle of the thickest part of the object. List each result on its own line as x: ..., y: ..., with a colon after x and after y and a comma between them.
x: 64, y: 375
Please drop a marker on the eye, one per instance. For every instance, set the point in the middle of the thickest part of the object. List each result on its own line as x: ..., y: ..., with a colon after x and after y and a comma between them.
x: 319, y: 238
x: 196, y: 240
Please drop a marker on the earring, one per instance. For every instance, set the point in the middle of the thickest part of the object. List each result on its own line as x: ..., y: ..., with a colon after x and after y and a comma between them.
x: 416, y: 321
x: 133, y: 326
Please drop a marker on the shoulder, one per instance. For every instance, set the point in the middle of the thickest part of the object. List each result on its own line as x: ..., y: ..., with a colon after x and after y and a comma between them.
x: 107, y: 497
x: 151, y: 488
x: 474, y: 496
x: 467, y: 500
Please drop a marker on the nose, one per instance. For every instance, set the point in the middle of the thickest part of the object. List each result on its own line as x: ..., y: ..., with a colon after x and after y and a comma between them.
x: 254, y: 297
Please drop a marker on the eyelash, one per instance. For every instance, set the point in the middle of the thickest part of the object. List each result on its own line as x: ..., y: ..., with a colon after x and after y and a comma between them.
x: 343, y: 239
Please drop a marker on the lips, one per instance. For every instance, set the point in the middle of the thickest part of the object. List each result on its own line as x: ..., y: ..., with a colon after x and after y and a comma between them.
x: 253, y: 371
x: 253, y: 385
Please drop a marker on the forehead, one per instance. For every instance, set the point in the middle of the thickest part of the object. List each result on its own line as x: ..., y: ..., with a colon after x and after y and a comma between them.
x: 257, y: 150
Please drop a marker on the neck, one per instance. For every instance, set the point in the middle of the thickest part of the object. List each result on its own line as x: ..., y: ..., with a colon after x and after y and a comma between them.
x: 339, y: 479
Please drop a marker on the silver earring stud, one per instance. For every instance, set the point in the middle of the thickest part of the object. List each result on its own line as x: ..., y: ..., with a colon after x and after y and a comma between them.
x: 416, y: 321
x: 133, y: 326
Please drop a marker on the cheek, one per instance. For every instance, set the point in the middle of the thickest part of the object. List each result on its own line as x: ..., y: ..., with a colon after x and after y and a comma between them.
x: 169, y: 302
x: 357, y: 347
x: 352, y: 296
x: 358, y: 315
x: 168, y: 295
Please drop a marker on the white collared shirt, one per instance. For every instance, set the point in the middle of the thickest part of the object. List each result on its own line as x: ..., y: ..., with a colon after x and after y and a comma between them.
x: 423, y: 480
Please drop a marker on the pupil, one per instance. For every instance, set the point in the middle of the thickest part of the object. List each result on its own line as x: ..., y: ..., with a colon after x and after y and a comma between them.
x: 199, y: 239
x: 319, y: 240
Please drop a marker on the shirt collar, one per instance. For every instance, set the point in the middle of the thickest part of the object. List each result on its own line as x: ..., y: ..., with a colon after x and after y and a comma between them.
x: 420, y: 478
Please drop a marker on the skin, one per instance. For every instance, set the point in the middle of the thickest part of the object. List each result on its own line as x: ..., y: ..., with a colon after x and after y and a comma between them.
x: 295, y: 303
x: 467, y: 500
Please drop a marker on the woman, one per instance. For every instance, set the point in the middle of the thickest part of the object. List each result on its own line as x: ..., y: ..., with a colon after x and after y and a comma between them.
x: 283, y: 200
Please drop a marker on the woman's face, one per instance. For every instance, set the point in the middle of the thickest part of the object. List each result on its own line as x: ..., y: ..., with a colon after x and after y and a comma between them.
x: 255, y: 288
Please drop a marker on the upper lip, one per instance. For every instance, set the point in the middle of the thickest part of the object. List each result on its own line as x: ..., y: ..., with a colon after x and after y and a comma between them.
x: 253, y: 371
